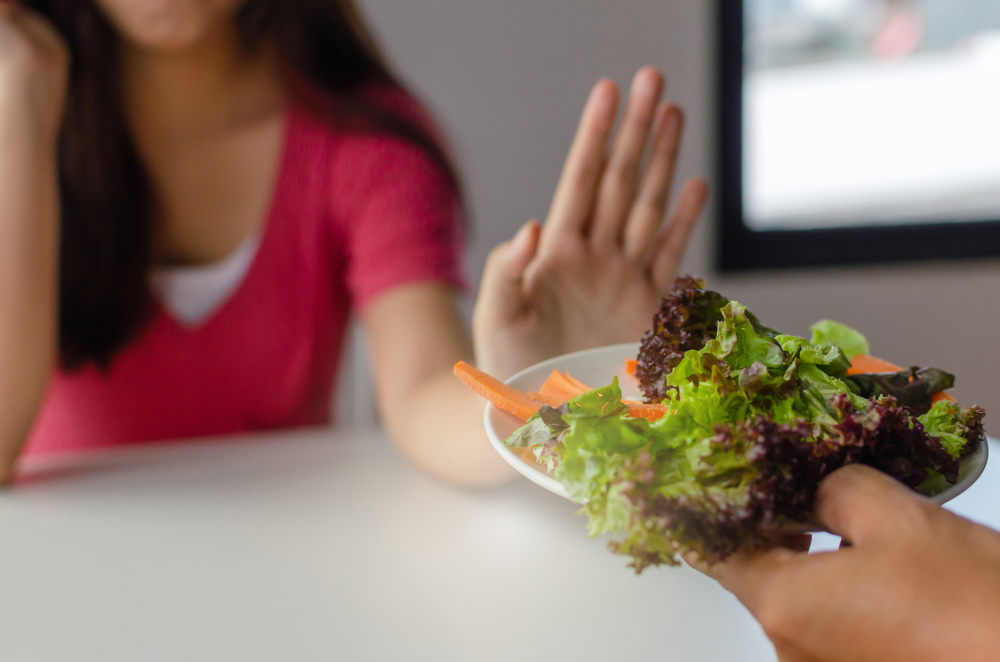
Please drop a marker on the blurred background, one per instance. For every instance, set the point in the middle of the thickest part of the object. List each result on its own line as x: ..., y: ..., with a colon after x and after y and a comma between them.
x: 507, y: 82
x: 870, y: 112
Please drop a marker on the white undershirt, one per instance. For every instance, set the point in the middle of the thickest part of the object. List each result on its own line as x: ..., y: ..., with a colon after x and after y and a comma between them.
x: 192, y: 294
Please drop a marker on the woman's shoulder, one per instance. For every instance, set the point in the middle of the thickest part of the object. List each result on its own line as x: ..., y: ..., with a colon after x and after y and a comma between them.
x: 375, y: 114
x: 389, y: 208
x: 367, y: 144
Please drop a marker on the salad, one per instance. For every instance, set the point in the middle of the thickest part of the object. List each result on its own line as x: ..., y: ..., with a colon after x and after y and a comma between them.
x: 738, y: 426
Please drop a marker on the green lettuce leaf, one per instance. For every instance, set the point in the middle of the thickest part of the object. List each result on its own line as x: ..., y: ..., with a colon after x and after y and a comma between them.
x: 533, y: 432
x: 850, y: 342
x: 950, y: 423
x: 755, y: 420
x: 829, y: 358
x: 739, y: 344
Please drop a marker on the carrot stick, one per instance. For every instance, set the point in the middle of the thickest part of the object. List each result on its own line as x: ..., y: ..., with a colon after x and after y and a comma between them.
x: 523, y: 405
x: 630, y: 365
x: 862, y: 363
x: 503, y: 397
x: 550, y: 400
x: 649, y: 412
x: 577, y: 383
x: 558, y: 387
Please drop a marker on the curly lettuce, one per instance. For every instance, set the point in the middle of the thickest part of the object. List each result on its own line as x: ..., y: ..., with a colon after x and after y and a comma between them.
x: 755, y: 420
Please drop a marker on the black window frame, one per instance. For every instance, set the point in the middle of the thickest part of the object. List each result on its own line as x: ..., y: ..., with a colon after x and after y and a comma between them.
x: 738, y: 248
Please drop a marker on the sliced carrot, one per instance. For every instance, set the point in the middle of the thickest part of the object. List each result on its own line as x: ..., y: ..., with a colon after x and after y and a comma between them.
x: 649, y: 412
x: 550, y: 400
x: 941, y: 395
x: 583, y: 388
x: 523, y: 405
x: 503, y: 397
x: 558, y: 387
x: 630, y: 365
x: 562, y: 387
x: 862, y: 363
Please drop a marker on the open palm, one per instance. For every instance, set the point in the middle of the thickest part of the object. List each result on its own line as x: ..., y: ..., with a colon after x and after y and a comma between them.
x: 595, y: 273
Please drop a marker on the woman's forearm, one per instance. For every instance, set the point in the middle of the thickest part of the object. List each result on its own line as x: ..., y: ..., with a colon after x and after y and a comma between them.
x: 29, y: 241
x: 434, y: 420
x: 439, y: 427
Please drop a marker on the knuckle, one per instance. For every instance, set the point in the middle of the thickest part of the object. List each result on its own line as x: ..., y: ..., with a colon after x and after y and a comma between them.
x: 480, y: 317
x: 915, y: 516
x: 654, y: 205
x: 551, y: 264
x: 670, y: 153
x: 498, y: 252
x: 585, y: 175
x: 495, y: 258
x: 558, y: 254
x: 777, y: 621
x: 597, y: 131
x: 622, y: 171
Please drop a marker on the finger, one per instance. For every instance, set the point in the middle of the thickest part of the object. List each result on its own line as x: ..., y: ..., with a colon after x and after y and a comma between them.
x: 674, y: 240
x: 617, y: 187
x: 650, y: 204
x: 859, y: 503
x: 577, y: 188
x: 747, y: 572
x: 501, y: 289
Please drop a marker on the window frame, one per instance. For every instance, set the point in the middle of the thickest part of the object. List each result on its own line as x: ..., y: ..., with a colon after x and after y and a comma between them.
x: 738, y: 248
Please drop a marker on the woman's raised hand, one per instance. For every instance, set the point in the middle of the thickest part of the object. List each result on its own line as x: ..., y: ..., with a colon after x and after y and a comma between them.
x: 595, y: 272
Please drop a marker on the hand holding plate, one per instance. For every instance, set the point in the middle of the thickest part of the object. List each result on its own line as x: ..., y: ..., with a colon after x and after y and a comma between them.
x: 917, y: 582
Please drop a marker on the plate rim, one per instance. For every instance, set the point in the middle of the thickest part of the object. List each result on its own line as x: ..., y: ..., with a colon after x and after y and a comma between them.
x: 531, y: 473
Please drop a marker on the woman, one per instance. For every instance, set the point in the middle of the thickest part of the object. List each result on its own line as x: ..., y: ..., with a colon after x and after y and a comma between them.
x: 264, y: 145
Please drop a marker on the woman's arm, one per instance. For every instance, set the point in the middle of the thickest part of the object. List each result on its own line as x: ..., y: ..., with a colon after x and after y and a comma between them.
x: 593, y: 275
x: 33, y: 66
x: 417, y: 334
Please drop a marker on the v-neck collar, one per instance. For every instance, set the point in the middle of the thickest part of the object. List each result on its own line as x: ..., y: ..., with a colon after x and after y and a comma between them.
x: 265, y: 231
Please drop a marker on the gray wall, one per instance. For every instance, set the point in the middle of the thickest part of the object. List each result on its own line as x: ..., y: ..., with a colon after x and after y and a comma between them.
x: 507, y: 80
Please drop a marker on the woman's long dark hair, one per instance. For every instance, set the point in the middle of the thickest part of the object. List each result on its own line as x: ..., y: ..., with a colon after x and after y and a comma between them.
x: 107, y: 201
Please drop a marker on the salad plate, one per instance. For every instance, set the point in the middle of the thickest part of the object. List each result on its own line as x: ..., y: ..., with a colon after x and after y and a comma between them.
x: 597, y: 367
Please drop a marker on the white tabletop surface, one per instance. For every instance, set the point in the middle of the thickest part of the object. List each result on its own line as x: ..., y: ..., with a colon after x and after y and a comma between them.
x: 316, y: 545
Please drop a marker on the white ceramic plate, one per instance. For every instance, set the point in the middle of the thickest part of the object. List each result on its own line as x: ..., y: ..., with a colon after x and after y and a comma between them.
x: 596, y: 367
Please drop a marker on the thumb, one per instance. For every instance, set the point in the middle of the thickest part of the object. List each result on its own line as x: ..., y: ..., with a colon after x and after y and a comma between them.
x: 860, y: 503
x: 501, y: 294
x: 519, y: 250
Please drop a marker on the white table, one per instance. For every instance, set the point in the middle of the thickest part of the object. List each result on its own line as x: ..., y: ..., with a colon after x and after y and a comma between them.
x: 315, y: 545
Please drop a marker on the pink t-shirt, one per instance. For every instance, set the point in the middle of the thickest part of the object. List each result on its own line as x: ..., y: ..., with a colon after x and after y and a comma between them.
x: 352, y: 216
